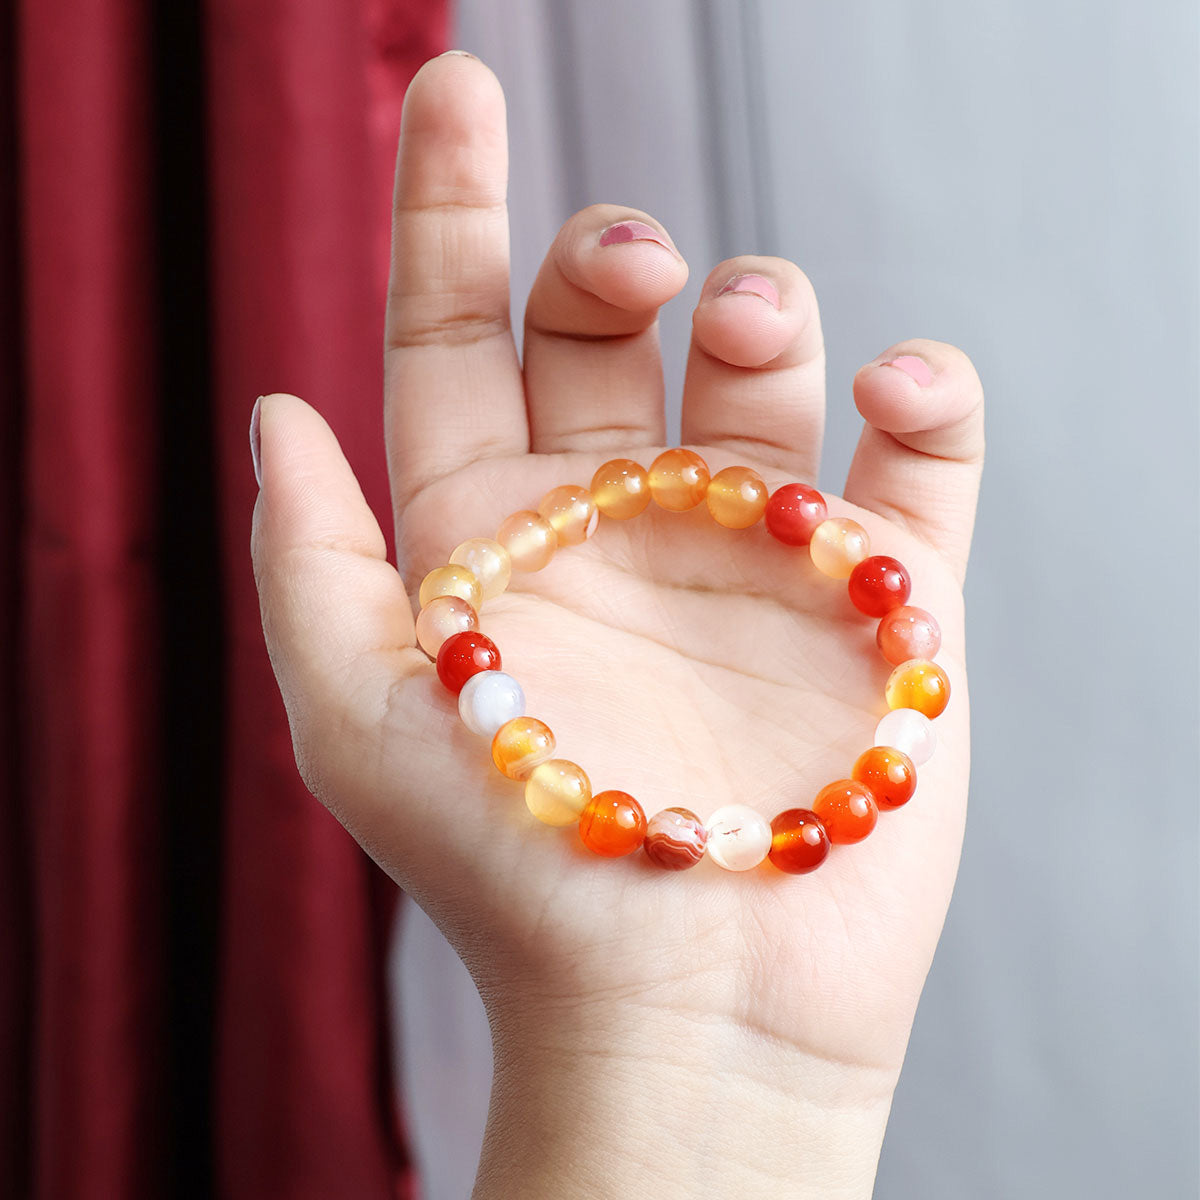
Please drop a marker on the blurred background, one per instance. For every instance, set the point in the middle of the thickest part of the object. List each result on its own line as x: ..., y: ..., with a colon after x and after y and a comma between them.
x: 204, y: 985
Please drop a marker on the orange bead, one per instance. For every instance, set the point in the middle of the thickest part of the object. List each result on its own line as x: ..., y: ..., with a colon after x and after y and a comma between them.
x: 520, y: 745
x: 847, y: 810
x: 918, y: 684
x: 621, y: 489
x: 736, y: 497
x: 571, y: 512
x: 799, y: 842
x: 529, y: 539
x: 889, y: 773
x: 838, y: 546
x: 906, y: 633
x: 451, y: 580
x: 678, y: 479
x: 612, y: 824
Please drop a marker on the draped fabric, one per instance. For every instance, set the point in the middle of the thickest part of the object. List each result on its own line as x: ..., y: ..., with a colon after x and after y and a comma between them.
x: 195, y: 211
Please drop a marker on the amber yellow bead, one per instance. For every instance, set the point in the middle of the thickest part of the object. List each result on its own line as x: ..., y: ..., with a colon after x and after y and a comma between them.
x: 452, y: 580
x: 678, y: 479
x: 838, y: 546
x: 520, y: 745
x: 621, y: 488
x: 557, y: 791
x: 572, y: 513
x: 918, y: 684
x: 488, y: 561
x: 736, y: 497
x: 529, y: 539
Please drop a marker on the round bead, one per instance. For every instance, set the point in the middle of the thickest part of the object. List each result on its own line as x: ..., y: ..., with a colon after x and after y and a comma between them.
x: 799, y: 842
x: 675, y: 839
x: 621, y: 488
x: 557, y: 792
x: 736, y: 497
x: 878, y: 584
x: 488, y: 700
x: 529, y: 539
x: 572, y: 512
x: 908, y: 633
x: 678, y: 479
x: 451, y: 580
x: 520, y: 745
x: 612, y: 824
x: 889, y: 773
x: 441, y: 618
x: 793, y: 512
x: 488, y: 561
x: 738, y: 837
x: 918, y: 684
x: 463, y: 655
x: 847, y: 810
x: 908, y: 731
x: 838, y: 546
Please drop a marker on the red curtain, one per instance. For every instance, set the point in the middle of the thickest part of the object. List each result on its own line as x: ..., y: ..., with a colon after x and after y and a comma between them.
x: 191, y: 993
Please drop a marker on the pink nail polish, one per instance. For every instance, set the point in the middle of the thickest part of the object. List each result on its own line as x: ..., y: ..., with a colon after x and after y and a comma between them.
x: 915, y: 368
x: 753, y: 285
x: 632, y: 231
x: 256, y: 441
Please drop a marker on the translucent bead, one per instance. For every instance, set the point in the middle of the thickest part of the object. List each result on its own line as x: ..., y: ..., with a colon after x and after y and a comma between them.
x: 464, y: 655
x: 908, y: 633
x: 918, y: 684
x: 442, y: 618
x: 488, y: 561
x: 520, y: 745
x: 736, y: 497
x: 675, y: 839
x: 557, y: 792
x: 678, y: 479
x: 739, y: 838
x: 847, y: 810
x: 793, y: 512
x: 910, y: 732
x: 529, y: 539
x: 621, y: 488
x: 799, y: 842
x: 451, y: 580
x: 488, y: 700
x: 838, y: 546
x: 612, y: 824
x: 571, y: 512
x: 889, y: 773
x: 878, y: 584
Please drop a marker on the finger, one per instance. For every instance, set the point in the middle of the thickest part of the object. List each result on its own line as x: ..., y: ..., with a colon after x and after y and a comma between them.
x: 920, y: 456
x: 452, y: 383
x: 593, y: 373
x: 756, y: 369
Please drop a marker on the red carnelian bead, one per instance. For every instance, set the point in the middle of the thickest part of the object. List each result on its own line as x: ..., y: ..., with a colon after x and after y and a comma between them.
x: 889, y: 773
x: 793, y: 512
x: 878, y: 584
x: 907, y: 633
x: 466, y: 654
x: 612, y: 824
x: 799, y: 842
x: 847, y: 810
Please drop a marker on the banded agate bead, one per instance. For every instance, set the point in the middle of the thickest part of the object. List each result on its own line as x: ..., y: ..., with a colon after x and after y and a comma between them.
x: 612, y: 824
x: 442, y: 618
x: 847, y: 810
x: 451, y: 580
x: 739, y: 837
x: 529, y: 539
x: 793, y: 512
x: 572, y: 513
x: 520, y: 745
x: 678, y: 479
x: 838, y: 545
x: 889, y: 773
x: 879, y: 584
x: 463, y: 655
x: 621, y: 488
x: 488, y: 700
x: 557, y: 791
x: 907, y: 633
x: 799, y: 842
x: 736, y: 497
x: 918, y: 684
x: 675, y: 839
x: 488, y: 561
x: 908, y: 731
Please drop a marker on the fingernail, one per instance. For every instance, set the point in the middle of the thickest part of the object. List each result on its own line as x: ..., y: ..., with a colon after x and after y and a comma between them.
x: 752, y: 285
x: 633, y: 231
x: 256, y: 441
x: 458, y: 53
x: 915, y: 368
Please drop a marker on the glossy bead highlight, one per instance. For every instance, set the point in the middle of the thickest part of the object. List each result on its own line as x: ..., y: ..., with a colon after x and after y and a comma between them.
x: 520, y: 745
x: 529, y: 539
x: 451, y: 580
x: 879, y: 584
x: 889, y: 773
x: 907, y: 633
x: 488, y: 700
x: 736, y: 497
x: 739, y: 837
x: 442, y: 618
x: 847, y: 810
x: 464, y: 655
x: 838, y: 546
x: 793, y: 512
x: 918, y: 684
x: 908, y: 731
x: 675, y: 839
x: 621, y: 489
x: 572, y: 513
x: 488, y: 561
x: 612, y: 824
x: 799, y: 842
x: 557, y: 792
x: 678, y: 479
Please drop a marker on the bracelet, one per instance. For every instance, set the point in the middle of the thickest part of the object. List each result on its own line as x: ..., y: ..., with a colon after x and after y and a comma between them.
x: 612, y: 823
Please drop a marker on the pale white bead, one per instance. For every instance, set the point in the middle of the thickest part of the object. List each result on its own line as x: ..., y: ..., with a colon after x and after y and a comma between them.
x: 908, y: 731
x: 738, y: 837
x: 488, y: 700
x: 488, y: 561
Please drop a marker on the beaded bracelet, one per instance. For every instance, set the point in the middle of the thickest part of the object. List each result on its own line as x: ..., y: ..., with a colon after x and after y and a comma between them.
x: 612, y: 823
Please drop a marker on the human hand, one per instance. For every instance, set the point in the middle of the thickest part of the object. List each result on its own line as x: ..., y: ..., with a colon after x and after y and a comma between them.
x: 754, y: 1024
